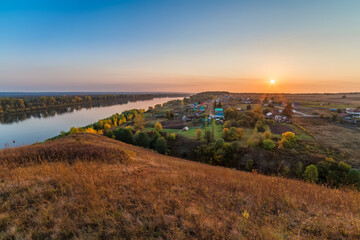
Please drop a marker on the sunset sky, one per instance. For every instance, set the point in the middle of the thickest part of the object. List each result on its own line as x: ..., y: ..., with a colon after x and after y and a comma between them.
x: 173, y: 45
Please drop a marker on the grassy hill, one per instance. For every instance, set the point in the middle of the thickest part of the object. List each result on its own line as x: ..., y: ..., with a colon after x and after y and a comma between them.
x: 87, y: 186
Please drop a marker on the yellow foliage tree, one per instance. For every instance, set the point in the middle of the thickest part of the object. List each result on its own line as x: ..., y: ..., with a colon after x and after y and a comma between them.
x: 158, y: 127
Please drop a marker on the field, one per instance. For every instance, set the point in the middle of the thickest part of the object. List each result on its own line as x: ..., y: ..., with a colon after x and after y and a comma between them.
x: 152, y: 196
x: 345, y: 139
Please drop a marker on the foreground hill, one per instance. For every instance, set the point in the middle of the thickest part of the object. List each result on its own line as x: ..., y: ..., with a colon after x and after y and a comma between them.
x: 88, y: 186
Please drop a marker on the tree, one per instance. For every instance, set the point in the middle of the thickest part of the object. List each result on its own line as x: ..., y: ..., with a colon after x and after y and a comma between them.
x: 170, y: 115
x: 232, y: 134
x: 198, y: 134
x: 73, y: 130
x: 311, y: 174
x: 142, y: 139
x: 161, y: 145
x: 124, y: 135
x: 158, y: 127
x: 268, y: 144
x: 248, y: 107
x: 139, y: 122
x: 153, y: 140
x: 287, y: 111
x: 354, y: 177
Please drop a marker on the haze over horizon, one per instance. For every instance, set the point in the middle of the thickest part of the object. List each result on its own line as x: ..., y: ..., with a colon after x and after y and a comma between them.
x: 178, y: 46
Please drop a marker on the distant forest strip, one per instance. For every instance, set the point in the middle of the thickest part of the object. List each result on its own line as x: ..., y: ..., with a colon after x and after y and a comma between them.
x: 25, y: 104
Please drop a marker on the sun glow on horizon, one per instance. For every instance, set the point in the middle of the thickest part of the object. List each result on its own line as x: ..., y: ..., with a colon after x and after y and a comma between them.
x: 272, y: 81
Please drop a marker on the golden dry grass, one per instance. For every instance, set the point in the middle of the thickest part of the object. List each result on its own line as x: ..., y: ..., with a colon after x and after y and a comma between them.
x: 152, y: 196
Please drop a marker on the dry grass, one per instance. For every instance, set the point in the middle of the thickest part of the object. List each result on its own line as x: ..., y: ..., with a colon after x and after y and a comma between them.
x: 153, y: 196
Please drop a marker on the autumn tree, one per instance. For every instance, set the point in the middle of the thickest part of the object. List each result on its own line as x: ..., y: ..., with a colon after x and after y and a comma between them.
x: 139, y: 122
x: 158, y: 127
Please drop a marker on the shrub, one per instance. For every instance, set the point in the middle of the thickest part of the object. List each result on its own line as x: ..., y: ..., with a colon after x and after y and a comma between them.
x: 172, y: 136
x: 158, y: 127
x: 267, y: 135
x: 142, y: 139
x: 161, y: 145
x: 233, y: 133
x: 344, y: 167
x: 219, y: 143
x: 249, y: 165
x: 311, y: 174
x: 235, y: 146
x: 268, y: 144
x: 73, y: 130
x: 354, y: 177
x: 124, y: 135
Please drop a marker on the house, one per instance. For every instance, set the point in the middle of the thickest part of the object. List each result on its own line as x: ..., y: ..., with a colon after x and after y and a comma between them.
x: 202, y: 108
x: 269, y: 115
x: 219, y: 110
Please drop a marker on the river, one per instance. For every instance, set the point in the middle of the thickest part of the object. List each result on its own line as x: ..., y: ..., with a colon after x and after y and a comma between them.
x: 38, y: 127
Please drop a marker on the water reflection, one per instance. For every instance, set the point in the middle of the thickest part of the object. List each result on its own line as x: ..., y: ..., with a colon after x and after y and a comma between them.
x: 19, y: 117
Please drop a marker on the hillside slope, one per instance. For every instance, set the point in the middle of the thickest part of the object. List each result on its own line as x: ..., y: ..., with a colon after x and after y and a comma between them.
x: 65, y: 189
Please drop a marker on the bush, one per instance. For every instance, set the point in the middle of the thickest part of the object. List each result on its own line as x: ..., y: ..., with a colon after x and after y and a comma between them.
x: 267, y: 135
x: 354, y: 177
x: 268, y: 144
x: 124, y: 135
x: 235, y: 146
x: 161, y: 145
x: 249, y: 165
x: 142, y: 139
x: 172, y: 136
x: 344, y: 167
x: 219, y: 143
x: 158, y: 127
x: 233, y: 133
x: 311, y: 174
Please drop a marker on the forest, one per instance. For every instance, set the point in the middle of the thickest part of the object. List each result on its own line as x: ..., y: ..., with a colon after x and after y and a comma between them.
x: 35, y: 103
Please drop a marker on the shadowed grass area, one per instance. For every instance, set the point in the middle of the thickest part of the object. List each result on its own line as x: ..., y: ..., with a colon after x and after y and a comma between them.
x: 153, y: 196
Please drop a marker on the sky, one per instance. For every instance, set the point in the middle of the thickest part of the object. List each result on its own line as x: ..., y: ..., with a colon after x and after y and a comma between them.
x: 180, y: 45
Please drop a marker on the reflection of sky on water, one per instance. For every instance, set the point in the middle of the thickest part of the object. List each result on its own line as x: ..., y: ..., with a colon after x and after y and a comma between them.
x: 36, y: 129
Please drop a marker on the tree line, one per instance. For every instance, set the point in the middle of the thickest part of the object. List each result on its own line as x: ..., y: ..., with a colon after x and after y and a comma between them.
x: 23, y: 104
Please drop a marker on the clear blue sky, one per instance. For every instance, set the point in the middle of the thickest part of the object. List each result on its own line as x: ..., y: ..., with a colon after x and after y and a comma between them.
x: 173, y: 45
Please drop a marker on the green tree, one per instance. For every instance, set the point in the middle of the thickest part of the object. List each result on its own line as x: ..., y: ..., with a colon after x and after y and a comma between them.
x: 268, y: 144
x: 124, y: 135
x: 161, y: 145
x: 73, y: 130
x: 154, y: 138
x: 142, y: 139
x: 311, y: 174
x: 354, y: 177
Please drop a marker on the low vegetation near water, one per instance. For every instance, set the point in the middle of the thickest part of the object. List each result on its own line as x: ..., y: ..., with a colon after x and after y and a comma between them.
x: 63, y: 189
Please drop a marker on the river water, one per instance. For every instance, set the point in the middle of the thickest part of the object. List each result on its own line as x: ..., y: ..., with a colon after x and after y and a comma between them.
x: 25, y: 129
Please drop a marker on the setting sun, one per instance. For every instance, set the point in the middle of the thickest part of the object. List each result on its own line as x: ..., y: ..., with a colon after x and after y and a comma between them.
x: 272, y: 81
